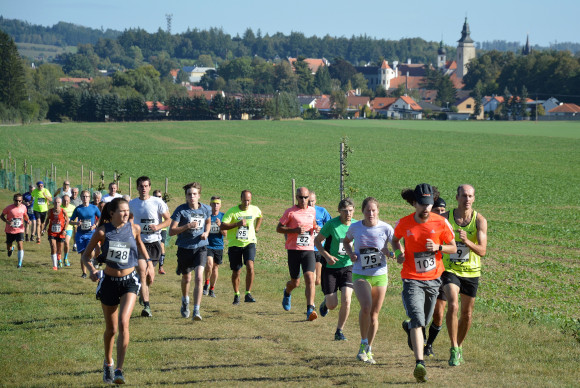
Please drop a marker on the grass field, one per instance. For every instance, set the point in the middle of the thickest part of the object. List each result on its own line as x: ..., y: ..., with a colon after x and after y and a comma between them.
x: 526, y: 324
x: 33, y: 50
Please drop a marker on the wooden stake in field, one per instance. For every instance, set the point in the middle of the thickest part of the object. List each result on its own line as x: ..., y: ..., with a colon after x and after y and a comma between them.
x: 293, y: 192
x: 341, y: 150
x: 166, y: 184
x: 82, y: 175
x: 130, y: 185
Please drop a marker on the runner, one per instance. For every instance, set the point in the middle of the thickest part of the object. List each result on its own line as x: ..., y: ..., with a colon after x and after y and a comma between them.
x: 439, y: 206
x: 15, y: 216
x: 215, y: 247
x: 298, y: 223
x: 41, y: 199
x: 242, y: 222
x: 119, y: 285
x: 68, y: 209
x: 463, y: 269
x: 424, y: 233
x: 322, y: 217
x: 370, y: 271
x: 28, y: 201
x: 191, y: 222
x: 157, y: 194
x: 85, y: 218
x: 112, y: 193
x: 57, y: 220
x: 64, y: 190
x: 97, y: 198
x: 75, y: 199
x: 148, y: 212
x: 337, y: 266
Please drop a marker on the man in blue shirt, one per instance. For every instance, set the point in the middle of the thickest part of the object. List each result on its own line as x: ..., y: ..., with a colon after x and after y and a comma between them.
x: 322, y: 217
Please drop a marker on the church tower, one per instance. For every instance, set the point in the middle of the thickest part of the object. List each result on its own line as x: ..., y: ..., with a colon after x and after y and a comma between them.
x: 465, y: 51
x: 441, y: 56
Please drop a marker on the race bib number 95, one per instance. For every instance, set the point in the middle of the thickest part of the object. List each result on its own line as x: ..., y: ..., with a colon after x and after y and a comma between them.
x: 242, y: 233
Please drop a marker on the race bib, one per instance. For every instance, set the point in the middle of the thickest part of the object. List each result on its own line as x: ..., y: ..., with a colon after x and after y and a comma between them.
x: 16, y: 222
x: 55, y: 228
x: 462, y: 254
x: 30, y: 210
x: 199, y: 220
x: 341, y: 250
x: 118, y: 252
x: 41, y: 201
x: 242, y: 233
x: 370, y: 258
x: 424, y: 261
x: 215, y: 228
x: 145, y: 225
x: 303, y: 239
x: 86, y: 224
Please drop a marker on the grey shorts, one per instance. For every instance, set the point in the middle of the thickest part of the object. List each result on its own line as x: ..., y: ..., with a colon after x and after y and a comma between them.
x: 419, y: 298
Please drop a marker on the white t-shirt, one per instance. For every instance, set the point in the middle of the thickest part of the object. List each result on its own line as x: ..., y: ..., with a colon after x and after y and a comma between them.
x: 368, y: 242
x: 148, y: 212
x: 108, y: 198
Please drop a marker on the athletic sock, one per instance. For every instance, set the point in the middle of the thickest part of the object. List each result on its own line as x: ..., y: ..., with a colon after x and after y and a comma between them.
x: 247, y: 292
x: 185, y: 299
x: 211, y: 288
x: 433, y: 331
x: 420, y: 362
x: 161, y: 260
x: 146, y: 304
x: 207, y: 282
x: 20, y: 257
x: 237, y: 293
x: 364, y: 341
x: 195, y: 307
x: 53, y: 257
x: 66, y: 256
x: 369, y: 349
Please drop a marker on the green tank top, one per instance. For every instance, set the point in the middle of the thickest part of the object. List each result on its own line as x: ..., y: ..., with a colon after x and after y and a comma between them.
x: 465, y: 262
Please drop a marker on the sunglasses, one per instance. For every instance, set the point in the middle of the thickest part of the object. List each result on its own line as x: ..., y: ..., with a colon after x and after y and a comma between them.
x: 17, y: 200
x: 302, y: 197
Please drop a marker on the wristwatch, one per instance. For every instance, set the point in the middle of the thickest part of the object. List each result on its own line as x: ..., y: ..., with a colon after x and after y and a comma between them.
x: 440, y: 247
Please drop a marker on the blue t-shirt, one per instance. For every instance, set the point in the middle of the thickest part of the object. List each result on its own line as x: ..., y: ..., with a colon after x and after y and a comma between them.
x: 322, y: 217
x: 87, y: 216
x: 191, y: 238
x: 26, y: 197
x: 216, y: 238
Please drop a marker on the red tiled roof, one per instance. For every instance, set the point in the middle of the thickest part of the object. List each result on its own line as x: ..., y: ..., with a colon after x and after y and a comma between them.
x: 411, y: 102
x: 323, y: 102
x: 382, y: 102
x: 160, y: 106
x: 566, y: 108
x: 313, y: 63
x: 457, y: 82
x: 357, y: 100
x: 207, y: 94
x: 385, y: 65
x: 174, y: 72
x: 451, y: 65
x: 411, y: 82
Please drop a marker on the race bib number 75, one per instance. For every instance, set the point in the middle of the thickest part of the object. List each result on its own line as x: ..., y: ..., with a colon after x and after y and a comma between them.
x: 370, y: 258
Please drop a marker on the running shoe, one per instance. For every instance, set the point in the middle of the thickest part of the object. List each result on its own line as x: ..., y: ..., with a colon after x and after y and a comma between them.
x: 211, y: 294
x: 108, y: 373
x: 59, y: 263
x: 19, y: 265
x: 146, y: 312
x: 420, y: 373
x: 362, y: 353
x: 54, y: 268
x: 26, y: 238
x: 323, y: 309
x: 161, y: 271
x: 370, y: 359
x: 184, y: 309
x: 408, y: 331
x: 66, y: 263
x: 454, y: 356
x: 84, y: 276
x: 339, y: 336
x: 196, y: 315
x: 236, y: 299
x: 10, y: 251
x: 311, y: 313
x: 119, y: 378
x: 38, y: 240
x: 287, y: 301
x: 249, y: 298
x: 461, y: 360
x: 428, y: 351
x: 205, y: 289
x: 75, y: 248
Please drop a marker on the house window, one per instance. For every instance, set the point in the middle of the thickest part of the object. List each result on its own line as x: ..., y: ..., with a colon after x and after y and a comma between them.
x: 468, y: 106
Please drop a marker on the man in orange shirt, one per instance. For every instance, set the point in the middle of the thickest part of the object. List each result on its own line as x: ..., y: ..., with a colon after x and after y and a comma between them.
x: 298, y: 223
x: 15, y: 216
x: 427, y: 236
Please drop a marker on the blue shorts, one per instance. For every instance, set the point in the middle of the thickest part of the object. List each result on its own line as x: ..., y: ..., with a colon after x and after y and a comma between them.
x: 69, y: 233
x: 82, y: 240
x: 31, y: 216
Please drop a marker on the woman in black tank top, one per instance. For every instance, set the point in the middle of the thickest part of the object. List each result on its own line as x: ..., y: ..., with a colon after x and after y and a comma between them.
x: 119, y: 285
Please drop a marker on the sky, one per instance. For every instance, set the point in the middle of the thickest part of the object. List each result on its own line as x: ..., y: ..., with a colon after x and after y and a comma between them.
x: 509, y: 20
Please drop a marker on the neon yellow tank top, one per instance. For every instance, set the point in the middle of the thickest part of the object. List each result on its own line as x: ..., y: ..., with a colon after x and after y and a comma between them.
x: 465, y: 262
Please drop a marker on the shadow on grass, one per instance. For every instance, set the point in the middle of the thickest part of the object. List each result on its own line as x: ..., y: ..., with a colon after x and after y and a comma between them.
x: 183, y: 338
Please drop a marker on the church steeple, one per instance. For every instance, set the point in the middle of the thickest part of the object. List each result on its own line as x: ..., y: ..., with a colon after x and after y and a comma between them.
x: 441, y: 56
x: 526, y: 50
x: 465, y: 38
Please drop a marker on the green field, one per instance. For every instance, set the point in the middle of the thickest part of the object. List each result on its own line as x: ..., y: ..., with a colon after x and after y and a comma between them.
x: 33, y: 50
x: 526, y: 324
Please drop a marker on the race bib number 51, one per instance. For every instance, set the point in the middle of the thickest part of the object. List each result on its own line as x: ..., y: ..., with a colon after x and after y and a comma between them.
x: 424, y: 261
x: 118, y: 252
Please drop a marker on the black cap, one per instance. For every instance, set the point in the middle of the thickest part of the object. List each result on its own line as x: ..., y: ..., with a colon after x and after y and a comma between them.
x: 440, y: 203
x: 424, y: 194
